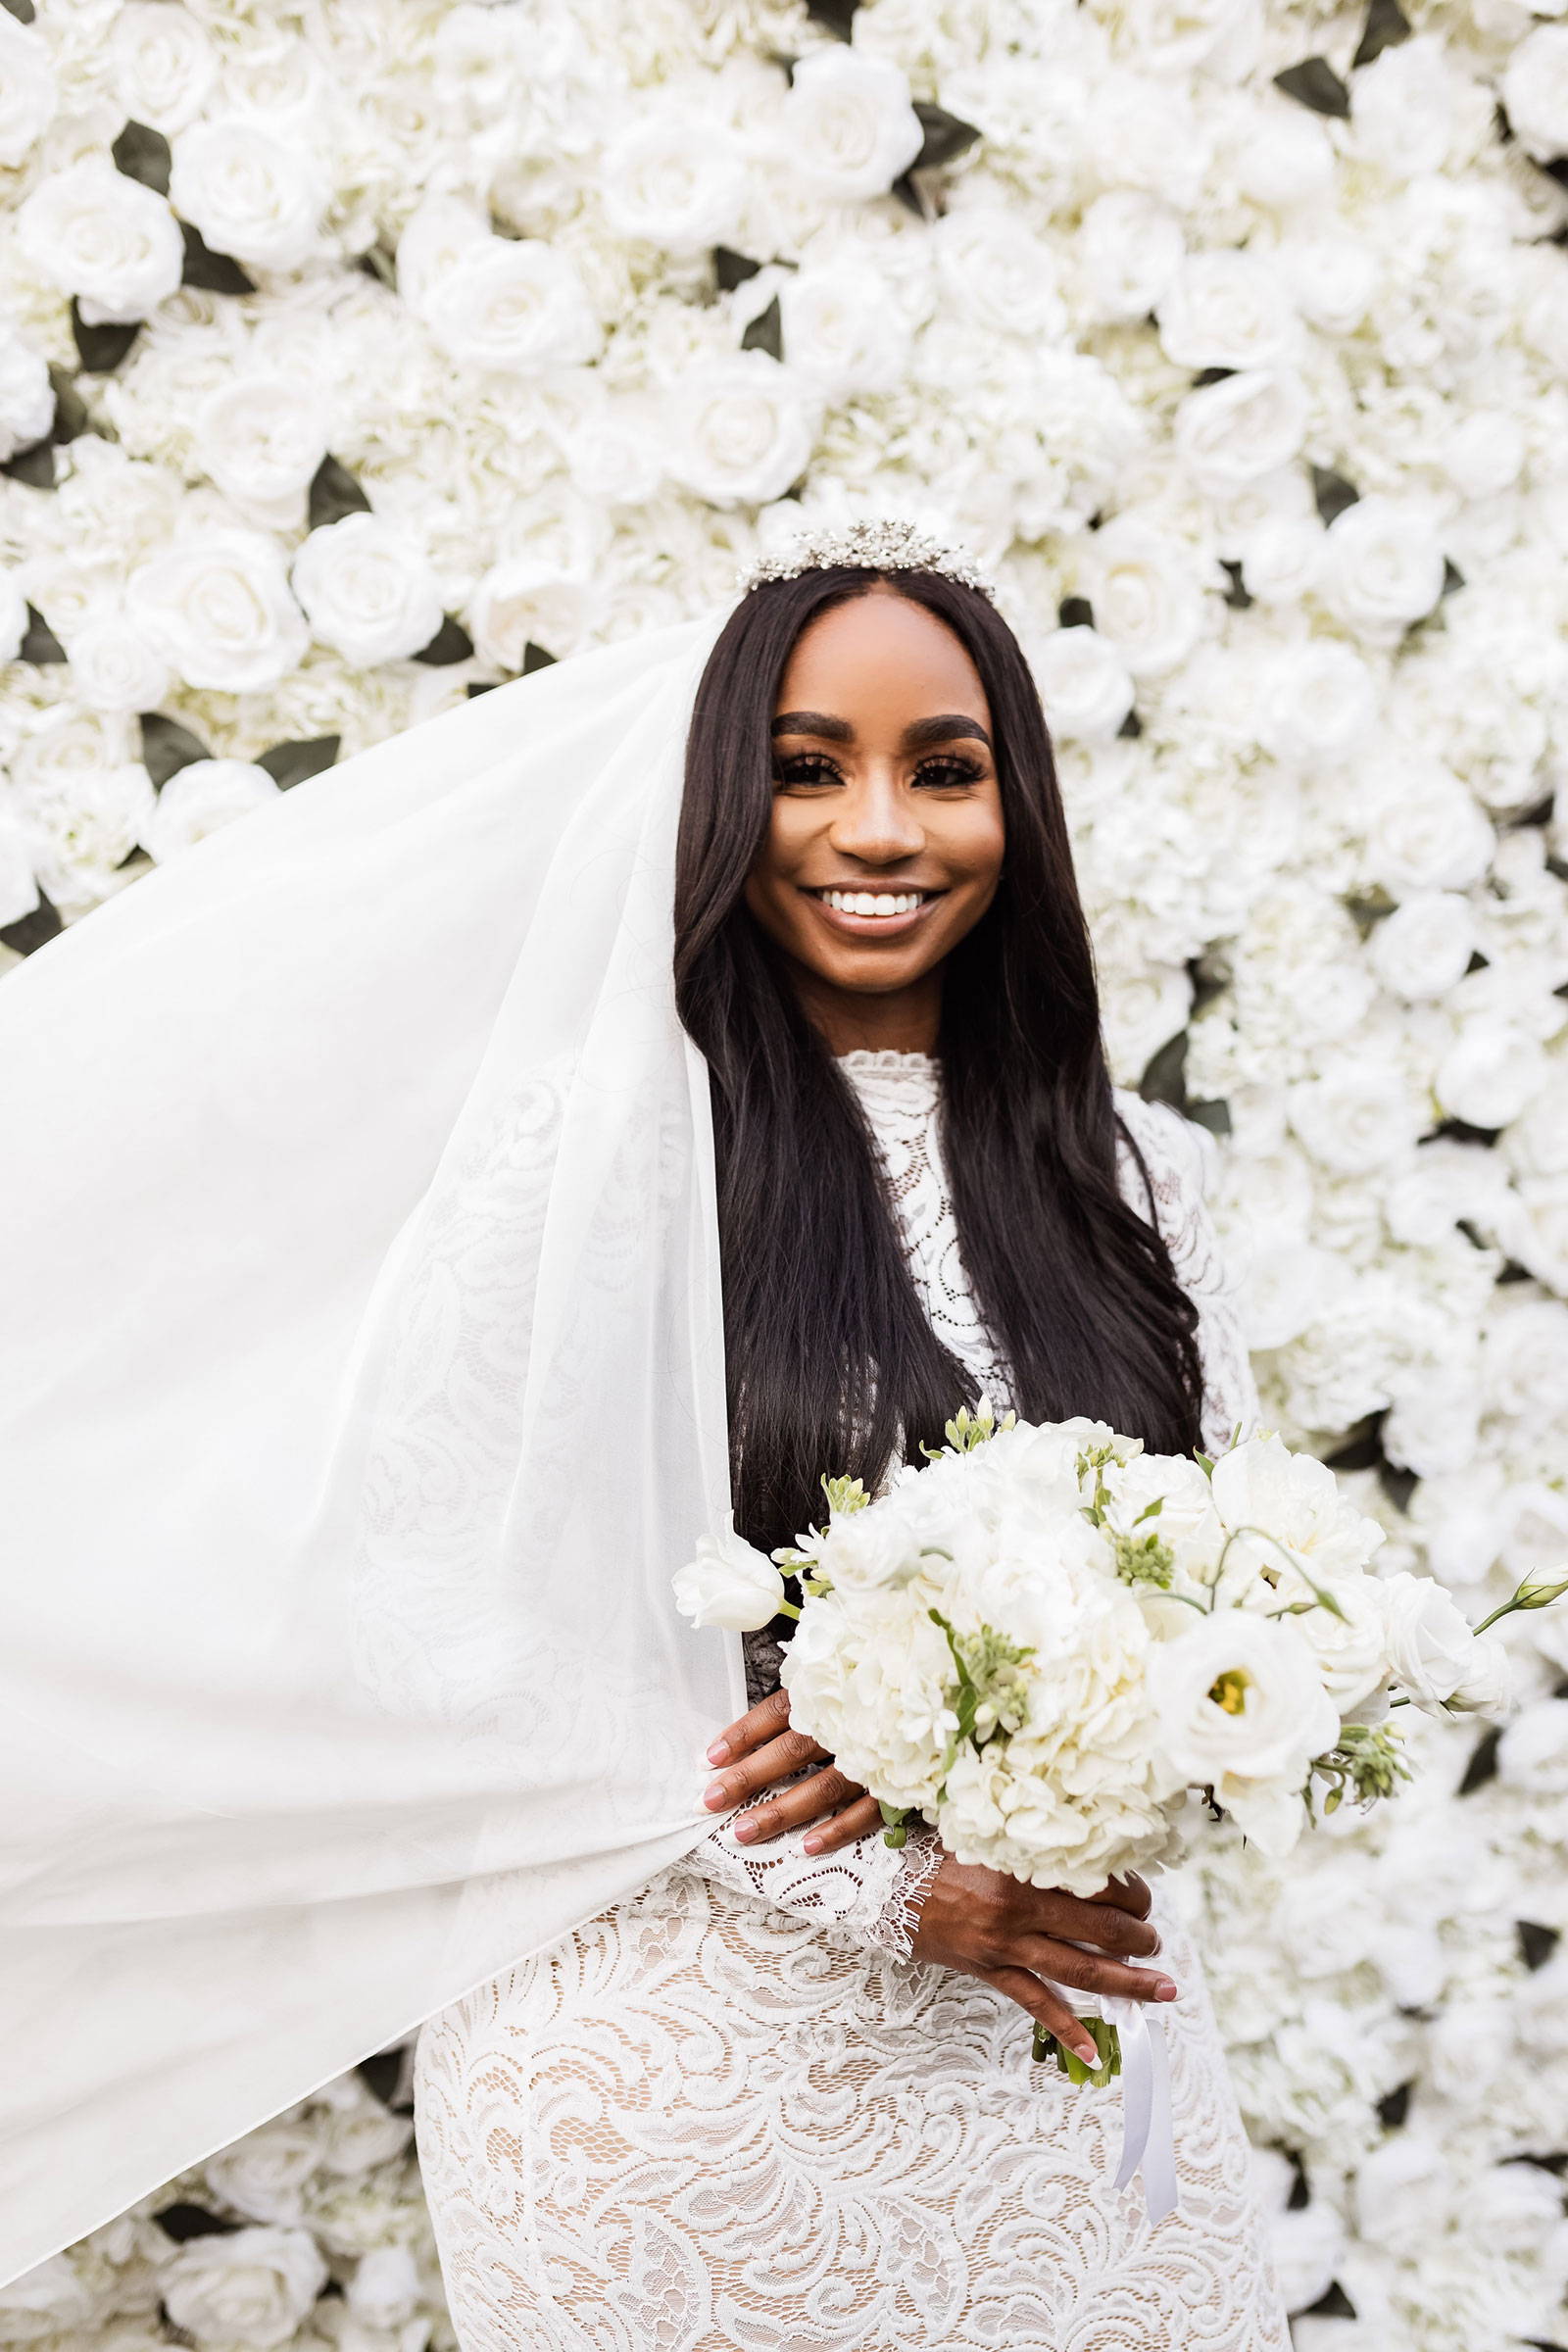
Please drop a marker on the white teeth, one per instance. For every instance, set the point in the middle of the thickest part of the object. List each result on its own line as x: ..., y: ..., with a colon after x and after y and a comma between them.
x: 873, y: 902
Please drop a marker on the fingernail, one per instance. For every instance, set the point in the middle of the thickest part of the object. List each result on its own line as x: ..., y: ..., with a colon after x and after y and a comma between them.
x: 1164, y: 1989
x: 746, y: 1831
x: 715, y: 1794
x: 1089, y: 2053
x: 718, y: 1753
x: 811, y: 1845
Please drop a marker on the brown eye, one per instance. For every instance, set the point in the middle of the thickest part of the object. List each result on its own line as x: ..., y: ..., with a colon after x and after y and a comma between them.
x: 807, y: 767
x: 950, y: 769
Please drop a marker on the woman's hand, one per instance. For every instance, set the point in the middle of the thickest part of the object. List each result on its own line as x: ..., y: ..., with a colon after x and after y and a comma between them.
x: 761, y: 1750
x: 1010, y: 1935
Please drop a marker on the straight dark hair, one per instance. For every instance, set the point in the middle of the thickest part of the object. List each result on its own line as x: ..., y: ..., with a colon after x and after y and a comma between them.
x: 832, y: 1363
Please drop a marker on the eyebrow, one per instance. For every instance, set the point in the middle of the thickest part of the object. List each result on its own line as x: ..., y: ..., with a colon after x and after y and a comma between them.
x: 945, y: 727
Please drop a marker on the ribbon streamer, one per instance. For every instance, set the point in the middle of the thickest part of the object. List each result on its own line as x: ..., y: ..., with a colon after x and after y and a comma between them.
x: 1148, y: 2136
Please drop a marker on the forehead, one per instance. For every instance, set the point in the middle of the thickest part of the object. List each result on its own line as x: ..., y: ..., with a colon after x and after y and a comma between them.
x: 879, y: 653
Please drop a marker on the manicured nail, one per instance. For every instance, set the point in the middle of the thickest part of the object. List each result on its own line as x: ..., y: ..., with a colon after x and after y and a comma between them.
x: 1089, y: 2053
x: 746, y: 1831
x: 716, y: 1795
x: 812, y: 1845
x: 1164, y: 1989
x: 718, y: 1753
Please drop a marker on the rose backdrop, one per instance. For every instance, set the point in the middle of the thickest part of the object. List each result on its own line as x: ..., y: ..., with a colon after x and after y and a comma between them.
x: 360, y: 354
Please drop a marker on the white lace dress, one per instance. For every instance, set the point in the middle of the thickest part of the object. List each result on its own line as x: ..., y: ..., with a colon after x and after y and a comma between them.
x: 729, y: 2116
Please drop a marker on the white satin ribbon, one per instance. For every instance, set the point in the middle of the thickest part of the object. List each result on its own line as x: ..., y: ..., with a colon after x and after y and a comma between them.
x: 1148, y: 2137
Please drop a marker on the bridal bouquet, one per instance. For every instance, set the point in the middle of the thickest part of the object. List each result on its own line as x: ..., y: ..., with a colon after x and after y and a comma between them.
x: 1067, y: 1654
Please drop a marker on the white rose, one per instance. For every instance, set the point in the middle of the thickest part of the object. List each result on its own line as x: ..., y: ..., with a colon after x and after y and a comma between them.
x: 1282, y: 559
x: 112, y: 243
x: 14, y: 621
x: 113, y: 667
x: 1358, y: 1118
x: 1084, y: 684
x: 163, y: 63
x: 19, y: 885
x: 729, y: 1583
x: 1285, y: 156
x: 27, y: 394
x: 1331, y: 273
x: 1487, y: 1684
x: 1240, y: 1709
x: 1141, y: 1012
x: 516, y: 305
x: 1423, y: 949
x: 1128, y: 248
x: 29, y: 91
x: 1146, y: 597
x: 1227, y: 308
x: 740, y: 431
x: 261, y: 437
x: 846, y: 126
x: 1424, y: 830
x: 678, y: 180
x: 385, y: 2289
x: 360, y: 2131
x: 1299, y: 1502
x: 1433, y: 1426
x: 368, y: 590
x: 196, y: 800
x: 1431, y: 1649
x: 1524, y: 1355
x: 1490, y: 1073
x: 263, y: 2175
x: 1418, y: 108
x: 83, y: 822
x: 1484, y: 452
x: 843, y: 329
x: 1383, y: 568
x: 1318, y: 704
x: 1284, y: 1290
x: 521, y: 602
x: 1232, y: 433
x: 53, y: 2299
x: 250, y: 2286
x: 997, y: 273
x: 251, y: 192
x: 1534, y: 92
x: 218, y: 606
x: 1141, y: 130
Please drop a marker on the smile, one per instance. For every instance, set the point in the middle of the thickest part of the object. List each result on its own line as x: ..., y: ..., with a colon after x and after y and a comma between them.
x: 877, y: 904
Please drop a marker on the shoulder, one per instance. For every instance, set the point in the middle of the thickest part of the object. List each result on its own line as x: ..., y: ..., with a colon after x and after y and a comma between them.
x: 1179, y: 1157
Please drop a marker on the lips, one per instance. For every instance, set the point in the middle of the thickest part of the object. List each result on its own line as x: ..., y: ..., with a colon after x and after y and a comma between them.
x: 881, y: 913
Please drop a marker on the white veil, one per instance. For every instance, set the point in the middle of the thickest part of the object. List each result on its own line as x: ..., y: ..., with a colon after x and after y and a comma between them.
x: 362, y: 1383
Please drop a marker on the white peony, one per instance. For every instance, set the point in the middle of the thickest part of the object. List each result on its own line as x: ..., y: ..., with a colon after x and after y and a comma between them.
x: 250, y: 190
x: 113, y: 666
x: 368, y: 590
x: 1431, y: 1648
x: 94, y: 233
x: 843, y: 329
x: 218, y: 606
x: 1227, y: 308
x: 201, y: 798
x: 163, y: 63
x: 1534, y: 92
x: 1384, y: 567
x: 27, y: 394
x: 1423, y: 949
x: 729, y: 1583
x: 250, y: 2286
x: 1147, y: 597
x: 1084, y: 684
x: 846, y: 126
x: 741, y: 430
x: 675, y: 179
x: 1128, y: 248
x: 82, y: 824
x: 1230, y: 433
x: 261, y: 437
x: 28, y: 90
x: 1241, y: 1709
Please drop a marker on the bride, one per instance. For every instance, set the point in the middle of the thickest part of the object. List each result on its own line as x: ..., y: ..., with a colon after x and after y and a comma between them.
x: 427, y: 1207
x: 780, y: 2098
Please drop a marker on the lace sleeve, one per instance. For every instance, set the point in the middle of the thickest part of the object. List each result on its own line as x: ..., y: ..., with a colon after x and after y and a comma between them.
x: 868, y: 1891
x: 1175, y: 1153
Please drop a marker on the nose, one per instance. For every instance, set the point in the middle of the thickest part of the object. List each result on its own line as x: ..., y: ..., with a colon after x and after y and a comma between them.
x: 874, y: 822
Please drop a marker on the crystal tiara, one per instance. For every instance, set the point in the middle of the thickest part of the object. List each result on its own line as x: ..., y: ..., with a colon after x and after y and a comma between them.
x: 889, y: 546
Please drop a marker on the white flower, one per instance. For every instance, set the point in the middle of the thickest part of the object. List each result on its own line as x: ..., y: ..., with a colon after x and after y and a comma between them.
x: 1431, y: 1648
x: 997, y: 273
x: 251, y: 191
x: 872, y: 1548
x: 83, y: 822
x: 113, y: 666
x: 250, y: 2286
x: 1534, y: 92
x: 1227, y: 308
x: 1484, y: 452
x: 13, y: 615
x: 1423, y: 828
x: 1318, y: 703
x: 729, y: 1583
x: 1490, y: 1073
x: 1242, y: 1710
x: 1282, y: 558
x: 1084, y: 684
x: 1128, y: 248
x: 163, y: 63
x: 741, y: 430
x: 1418, y: 109
x: 1382, y: 568
x: 27, y: 394
x: 868, y: 1675
x: 842, y: 328
x: 1146, y: 597
x: 264, y: 2174
x: 1358, y: 1117
x: 53, y: 2299
x: 1284, y: 158
x: 521, y: 602
x: 846, y: 126
x: 261, y: 437
x: 385, y: 2289
x: 1232, y: 433
x: 1297, y: 1500
x: 368, y: 590
x: 1423, y: 949
x: 1331, y: 272
x: 518, y: 306
x: 19, y: 887
x: 1487, y: 1684
x: 218, y: 606
x: 103, y: 237
x: 28, y: 90
x: 676, y: 180
x: 198, y: 799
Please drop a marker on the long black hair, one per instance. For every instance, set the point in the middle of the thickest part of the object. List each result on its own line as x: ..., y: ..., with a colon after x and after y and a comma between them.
x: 831, y: 1360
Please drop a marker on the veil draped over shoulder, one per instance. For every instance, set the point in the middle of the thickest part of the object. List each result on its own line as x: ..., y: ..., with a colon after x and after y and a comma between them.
x: 362, y: 1383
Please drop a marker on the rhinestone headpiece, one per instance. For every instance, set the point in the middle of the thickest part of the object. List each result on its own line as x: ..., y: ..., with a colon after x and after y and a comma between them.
x: 874, y: 546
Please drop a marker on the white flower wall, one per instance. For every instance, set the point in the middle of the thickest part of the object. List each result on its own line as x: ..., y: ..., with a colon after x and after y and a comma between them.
x: 359, y: 353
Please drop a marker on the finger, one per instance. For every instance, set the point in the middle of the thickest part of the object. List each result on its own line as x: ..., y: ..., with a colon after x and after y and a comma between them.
x: 1046, y: 2009
x: 1102, y: 1925
x: 763, y: 1722
x: 857, y: 1821
x: 1086, y: 1972
x: 1130, y: 1893
x: 782, y: 1758
x: 810, y: 1799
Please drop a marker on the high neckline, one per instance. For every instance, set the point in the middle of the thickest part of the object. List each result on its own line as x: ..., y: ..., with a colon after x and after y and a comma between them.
x: 886, y: 1057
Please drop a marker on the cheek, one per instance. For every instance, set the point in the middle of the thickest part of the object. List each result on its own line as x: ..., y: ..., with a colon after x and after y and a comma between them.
x: 975, y: 843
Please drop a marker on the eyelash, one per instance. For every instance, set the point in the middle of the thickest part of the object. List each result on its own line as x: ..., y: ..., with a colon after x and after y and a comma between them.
x: 815, y: 768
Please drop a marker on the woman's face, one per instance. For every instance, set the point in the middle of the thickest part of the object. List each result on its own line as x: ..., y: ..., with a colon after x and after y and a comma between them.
x: 886, y: 840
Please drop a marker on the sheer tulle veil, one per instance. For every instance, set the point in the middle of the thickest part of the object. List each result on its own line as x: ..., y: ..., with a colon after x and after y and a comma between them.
x: 362, y: 1384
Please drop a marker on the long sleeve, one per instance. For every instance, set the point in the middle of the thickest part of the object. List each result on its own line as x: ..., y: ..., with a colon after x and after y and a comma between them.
x: 868, y: 1891
x: 1174, y: 1154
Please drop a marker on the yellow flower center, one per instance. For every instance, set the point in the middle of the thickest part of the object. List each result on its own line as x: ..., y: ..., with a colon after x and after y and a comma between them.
x: 1230, y: 1692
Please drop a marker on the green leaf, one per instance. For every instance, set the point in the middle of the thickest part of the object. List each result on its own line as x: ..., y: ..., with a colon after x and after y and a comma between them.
x: 101, y: 348
x: 732, y: 268
x: 1536, y: 1942
x: 1075, y: 612
x: 1387, y: 24
x: 765, y: 333
x: 534, y: 656
x: 834, y: 16
x: 450, y: 643
x: 1332, y: 492
x: 290, y: 764
x: 377, y: 262
x: 36, y: 466
x: 477, y: 686
x: 947, y: 137
x: 913, y: 196
x: 40, y: 644
x: 209, y: 271
x: 70, y: 409
x: 23, y: 10
x: 142, y: 153
x: 335, y: 493
x: 1165, y: 1078
x: 35, y: 930
x: 1315, y: 85
x: 1452, y: 578
x: 166, y: 746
